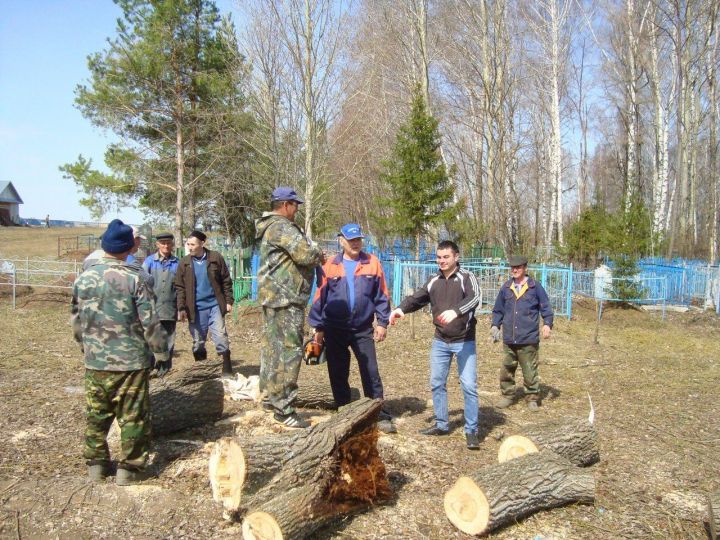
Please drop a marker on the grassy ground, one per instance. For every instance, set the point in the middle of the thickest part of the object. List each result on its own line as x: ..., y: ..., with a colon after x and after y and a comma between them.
x: 653, y: 384
x: 37, y: 242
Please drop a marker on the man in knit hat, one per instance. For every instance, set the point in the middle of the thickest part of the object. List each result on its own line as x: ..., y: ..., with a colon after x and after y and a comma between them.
x: 115, y: 323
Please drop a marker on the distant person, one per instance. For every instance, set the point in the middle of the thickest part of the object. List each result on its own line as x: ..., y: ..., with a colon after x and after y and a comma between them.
x: 453, y: 294
x: 350, y: 298
x: 517, y: 308
x: 288, y: 260
x: 136, y: 253
x: 47, y: 221
x: 114, y: 320
x: 162, y: 267
x: 204, y: 296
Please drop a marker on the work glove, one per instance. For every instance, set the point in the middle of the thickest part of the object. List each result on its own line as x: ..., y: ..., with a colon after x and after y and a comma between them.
x: 495, y: 334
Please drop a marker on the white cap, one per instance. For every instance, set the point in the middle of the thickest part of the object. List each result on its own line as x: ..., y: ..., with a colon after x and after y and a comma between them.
x: 136, y: 233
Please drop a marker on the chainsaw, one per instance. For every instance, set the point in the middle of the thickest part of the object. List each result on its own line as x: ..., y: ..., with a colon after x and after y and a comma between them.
x: 313, y: 352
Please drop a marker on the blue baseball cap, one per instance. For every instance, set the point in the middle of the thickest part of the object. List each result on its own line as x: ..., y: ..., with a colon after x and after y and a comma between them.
x: 350, y: 231
x: 285, y: 194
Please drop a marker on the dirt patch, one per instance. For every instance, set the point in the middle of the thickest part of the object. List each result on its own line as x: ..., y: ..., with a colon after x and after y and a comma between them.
x: 653, y: 384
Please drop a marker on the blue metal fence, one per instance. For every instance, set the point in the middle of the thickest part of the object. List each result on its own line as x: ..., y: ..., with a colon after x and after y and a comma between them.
x: 660, y: 284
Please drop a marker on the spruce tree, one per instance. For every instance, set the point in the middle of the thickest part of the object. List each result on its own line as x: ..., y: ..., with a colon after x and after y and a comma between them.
x: 420, y: 194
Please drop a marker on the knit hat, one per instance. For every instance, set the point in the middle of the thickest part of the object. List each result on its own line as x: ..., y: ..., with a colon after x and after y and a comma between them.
x: 199, y: 235
x: 118, y: 238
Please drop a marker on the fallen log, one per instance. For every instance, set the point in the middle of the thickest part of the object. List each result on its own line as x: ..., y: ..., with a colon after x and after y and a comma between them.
x: 506, y: 492
x: 575, y: 440
x: 187, y: 398
x: 714, y: 515
x: 328, y: 470
x: 319, y: 396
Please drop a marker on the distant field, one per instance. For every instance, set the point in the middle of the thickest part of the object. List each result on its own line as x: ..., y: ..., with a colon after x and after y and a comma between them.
x: 38, y: 242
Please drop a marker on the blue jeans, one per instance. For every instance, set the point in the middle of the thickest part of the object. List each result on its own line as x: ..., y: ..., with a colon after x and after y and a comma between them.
x: 209, y: 319
x: 440, y: 357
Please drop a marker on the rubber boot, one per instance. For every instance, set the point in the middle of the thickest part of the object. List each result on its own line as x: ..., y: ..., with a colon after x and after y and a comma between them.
x: 127, y: 477
x: 200, y: 355
x: 98, y: 472
x: 227, y: 364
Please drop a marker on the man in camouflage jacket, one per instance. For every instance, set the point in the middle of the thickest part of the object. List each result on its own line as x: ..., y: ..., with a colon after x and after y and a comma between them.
x: 114, y: 320
x: 287, y: 265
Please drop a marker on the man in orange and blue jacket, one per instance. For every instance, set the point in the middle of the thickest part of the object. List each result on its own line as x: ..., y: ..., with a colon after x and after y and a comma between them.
x: 351, y: 297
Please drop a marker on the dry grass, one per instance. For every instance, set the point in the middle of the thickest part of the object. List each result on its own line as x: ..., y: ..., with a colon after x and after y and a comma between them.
x: 36, y: 242
x: 653, y: 384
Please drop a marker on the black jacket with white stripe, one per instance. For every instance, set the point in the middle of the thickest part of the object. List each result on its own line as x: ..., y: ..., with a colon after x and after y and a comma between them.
x: 459, y: 292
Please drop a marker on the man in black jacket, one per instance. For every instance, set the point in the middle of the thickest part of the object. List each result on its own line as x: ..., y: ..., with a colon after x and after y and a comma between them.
x: 453, y: 294
x: 204, y: 296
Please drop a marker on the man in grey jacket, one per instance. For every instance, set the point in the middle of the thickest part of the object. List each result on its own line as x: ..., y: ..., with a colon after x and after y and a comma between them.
x: 162, y: 266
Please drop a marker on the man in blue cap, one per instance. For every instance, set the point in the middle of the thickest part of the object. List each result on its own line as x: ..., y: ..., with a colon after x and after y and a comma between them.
x: 287, y: 265
x: 352, y: 295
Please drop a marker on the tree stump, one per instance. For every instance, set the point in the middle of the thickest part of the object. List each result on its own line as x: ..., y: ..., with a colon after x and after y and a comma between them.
x: 714, y: 515
x: 328, y: 470
x: 575, y: 440
x: 316, y: 396
x: 187, y: 398
x: 506, y: 492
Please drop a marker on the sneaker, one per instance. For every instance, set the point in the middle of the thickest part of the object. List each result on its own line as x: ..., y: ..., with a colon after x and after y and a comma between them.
x: 472, y: 440
x: 291, y: 420
x: 433, y: 431
x: 127, y: 477
x: 505, y: 402
x: 533, y: 406
x: 386, y: 426
x: 267, y: 406
x: 97, y: 472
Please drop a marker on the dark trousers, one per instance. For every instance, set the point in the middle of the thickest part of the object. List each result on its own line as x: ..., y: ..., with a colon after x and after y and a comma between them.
x: 169, y: 327
x: 338, y: 362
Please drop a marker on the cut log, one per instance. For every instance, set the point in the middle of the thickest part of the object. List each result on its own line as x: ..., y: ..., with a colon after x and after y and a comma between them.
x: 187, y: 398
x: 246, y: 466
x: 575, y: 440
x: 714, y: 515
x: 506, y: 492
x: 319, y: 396
x: 329, y: 470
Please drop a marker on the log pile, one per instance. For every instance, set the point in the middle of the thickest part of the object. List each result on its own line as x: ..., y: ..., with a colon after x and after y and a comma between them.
x: 537, y: 470
x: 186, y: 398
x: 287, y: 486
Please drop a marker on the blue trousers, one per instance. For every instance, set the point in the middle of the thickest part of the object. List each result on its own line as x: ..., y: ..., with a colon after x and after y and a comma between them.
x: 441, y: 355
x: 211, y: 320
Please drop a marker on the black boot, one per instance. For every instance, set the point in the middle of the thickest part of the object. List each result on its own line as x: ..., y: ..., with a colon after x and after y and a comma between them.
x: 227, y: 364
x: 200, y: 355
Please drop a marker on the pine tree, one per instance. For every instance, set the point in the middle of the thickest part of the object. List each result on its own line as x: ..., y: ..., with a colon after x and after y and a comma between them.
x: 420, y: 194
x: 167, y: 85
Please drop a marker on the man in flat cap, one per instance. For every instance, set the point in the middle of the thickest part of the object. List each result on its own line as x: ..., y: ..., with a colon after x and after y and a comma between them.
x: 287, y: 264
x: 351, y: 310
x: 162, y: 267
x: 204, y: 297
x: 114, y: 320
x: 517, y: 308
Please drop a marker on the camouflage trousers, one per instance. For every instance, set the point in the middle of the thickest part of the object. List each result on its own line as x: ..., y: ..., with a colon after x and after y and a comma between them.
x: 123, y: 395
x: 281, y: 355
x: 527, y: 357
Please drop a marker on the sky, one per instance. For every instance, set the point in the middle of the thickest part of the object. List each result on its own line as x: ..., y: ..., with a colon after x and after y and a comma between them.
x: 44, y: 46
